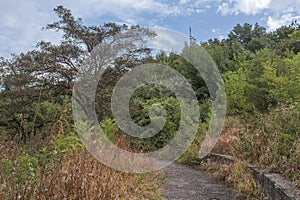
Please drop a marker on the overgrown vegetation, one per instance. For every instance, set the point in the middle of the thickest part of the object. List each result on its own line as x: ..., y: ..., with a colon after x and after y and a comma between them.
x: 236, y: 175
x: 62, y: 169
x: 42, y: 158
x: 261, y: 71
x: 262, y: 86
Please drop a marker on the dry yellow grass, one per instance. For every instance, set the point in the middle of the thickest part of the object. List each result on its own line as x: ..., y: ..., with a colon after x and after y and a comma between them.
x: 74, y: 175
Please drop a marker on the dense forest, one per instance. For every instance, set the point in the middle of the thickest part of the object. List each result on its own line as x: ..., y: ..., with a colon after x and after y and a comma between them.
x: 42, y: 157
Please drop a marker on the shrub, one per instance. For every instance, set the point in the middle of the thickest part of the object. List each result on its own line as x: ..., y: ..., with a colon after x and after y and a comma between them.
x: 272, y: 141
x: 60, y: 168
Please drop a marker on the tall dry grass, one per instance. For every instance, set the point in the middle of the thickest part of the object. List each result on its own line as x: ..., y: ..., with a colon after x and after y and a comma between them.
x: 41, y: 170
x: 269, y: 140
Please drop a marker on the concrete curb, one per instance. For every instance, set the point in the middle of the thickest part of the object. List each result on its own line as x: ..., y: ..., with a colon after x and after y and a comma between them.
x: 274, y: 185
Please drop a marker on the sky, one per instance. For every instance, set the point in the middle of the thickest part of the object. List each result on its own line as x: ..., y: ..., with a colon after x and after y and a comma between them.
x: 21, y: 21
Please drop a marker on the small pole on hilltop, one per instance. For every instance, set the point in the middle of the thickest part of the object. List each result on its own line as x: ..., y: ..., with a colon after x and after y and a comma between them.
x: 192, y: 39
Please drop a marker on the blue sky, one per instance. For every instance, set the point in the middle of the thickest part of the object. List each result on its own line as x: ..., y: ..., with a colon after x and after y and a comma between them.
x: 21, y: 21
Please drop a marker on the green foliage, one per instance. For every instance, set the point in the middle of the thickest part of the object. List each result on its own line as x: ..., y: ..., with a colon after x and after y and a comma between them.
x: 272, y: 141
x: 285, y: 39
x: 262, y: 79
x: 53, y: 172
x: 189, y: 72
x: 38, y: 84
x: 261, y: 73
x: 252, y: 38
x: 243, y: 181
x: 109, y: 128
x: 236, y: 87
x: 66, y: 143
x: 216, y: 50
x: 262, y: 82
x: 141, y: 117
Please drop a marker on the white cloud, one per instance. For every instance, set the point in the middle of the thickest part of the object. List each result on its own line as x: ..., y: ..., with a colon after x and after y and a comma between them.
x: 221, y: 37
x: 224, y: 9
x: 248, y: 7
x: 283, y: 6
x: 215, y: 30
x: 20, y: 26
x: 21, y: 21
x: 280, y: 12
x: 130, y: 8
x: 182, y: 2
x: 168, y: 40
x: 274, y: 23
x: 253, y: 7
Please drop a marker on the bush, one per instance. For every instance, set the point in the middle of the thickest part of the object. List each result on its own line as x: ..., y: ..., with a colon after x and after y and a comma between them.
x: 272, y: 141
x: 59, y: 168
x: 141, y: 117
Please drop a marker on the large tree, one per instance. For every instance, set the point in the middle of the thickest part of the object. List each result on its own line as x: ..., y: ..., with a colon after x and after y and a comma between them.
x: 47, y: 74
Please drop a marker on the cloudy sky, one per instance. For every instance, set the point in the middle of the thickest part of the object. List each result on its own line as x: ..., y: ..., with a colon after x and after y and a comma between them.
x: 21, y: 21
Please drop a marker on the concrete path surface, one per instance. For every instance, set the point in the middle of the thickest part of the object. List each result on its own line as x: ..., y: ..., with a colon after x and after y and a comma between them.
x: 184, y: 182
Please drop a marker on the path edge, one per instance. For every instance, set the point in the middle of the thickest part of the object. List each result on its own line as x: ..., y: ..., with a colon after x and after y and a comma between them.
x: 273, y: 184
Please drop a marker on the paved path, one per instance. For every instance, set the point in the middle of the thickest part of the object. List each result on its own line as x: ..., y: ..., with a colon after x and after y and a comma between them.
x: 183, y: 182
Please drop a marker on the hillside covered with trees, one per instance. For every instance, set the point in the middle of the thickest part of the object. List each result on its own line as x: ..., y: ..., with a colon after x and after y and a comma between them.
x: 42, y: 157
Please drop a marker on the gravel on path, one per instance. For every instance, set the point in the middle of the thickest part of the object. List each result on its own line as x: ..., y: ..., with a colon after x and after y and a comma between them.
x: 184, y: 182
